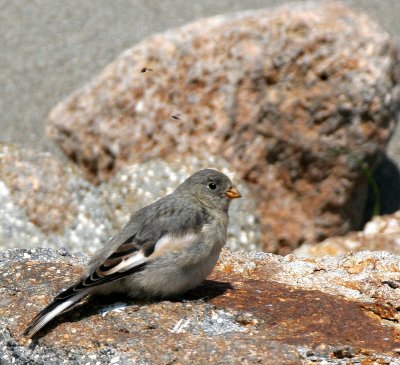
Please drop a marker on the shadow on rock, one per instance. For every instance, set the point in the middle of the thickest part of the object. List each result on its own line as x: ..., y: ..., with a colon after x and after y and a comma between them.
x: 210, y: 289
x: 387, y: 179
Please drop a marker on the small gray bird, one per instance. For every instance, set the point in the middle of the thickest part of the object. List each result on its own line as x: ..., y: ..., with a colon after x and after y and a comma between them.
x: 166, y: 248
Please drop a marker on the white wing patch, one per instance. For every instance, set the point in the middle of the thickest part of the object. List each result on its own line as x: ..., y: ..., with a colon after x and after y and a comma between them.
x: 134, y: 260
x: 165, y: 244
x: 173, y: 243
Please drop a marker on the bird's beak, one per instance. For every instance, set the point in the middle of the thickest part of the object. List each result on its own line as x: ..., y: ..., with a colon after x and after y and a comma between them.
x: 232, y: 193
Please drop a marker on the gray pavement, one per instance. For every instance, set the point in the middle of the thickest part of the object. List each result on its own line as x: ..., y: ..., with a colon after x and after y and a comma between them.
x: 49, y: 48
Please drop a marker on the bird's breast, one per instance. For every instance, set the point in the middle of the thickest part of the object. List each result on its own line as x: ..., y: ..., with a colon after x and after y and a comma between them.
x: 215, y: 232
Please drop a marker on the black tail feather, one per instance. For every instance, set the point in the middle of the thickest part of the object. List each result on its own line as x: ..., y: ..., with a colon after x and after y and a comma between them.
x: 61, y: 300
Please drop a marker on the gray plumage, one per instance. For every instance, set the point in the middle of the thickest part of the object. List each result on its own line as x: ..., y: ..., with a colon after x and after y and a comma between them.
x: 166, y: 248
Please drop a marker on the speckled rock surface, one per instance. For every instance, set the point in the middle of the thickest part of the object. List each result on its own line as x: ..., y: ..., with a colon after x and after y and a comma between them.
x: 380, y: 234
x: 47, y: 203
x: 255, y: 307
x: 292, y: 97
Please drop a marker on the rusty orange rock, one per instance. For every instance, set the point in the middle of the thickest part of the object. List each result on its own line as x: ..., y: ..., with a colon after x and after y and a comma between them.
x: 267, y: 307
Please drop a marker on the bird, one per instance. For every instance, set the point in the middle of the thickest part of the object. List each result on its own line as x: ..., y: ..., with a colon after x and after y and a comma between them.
x: 166, y: 249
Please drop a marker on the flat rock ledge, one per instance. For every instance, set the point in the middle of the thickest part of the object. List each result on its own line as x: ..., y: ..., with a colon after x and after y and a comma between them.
x: 255, y: 308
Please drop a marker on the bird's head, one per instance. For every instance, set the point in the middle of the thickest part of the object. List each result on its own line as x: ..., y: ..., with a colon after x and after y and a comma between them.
x: 211, y: 187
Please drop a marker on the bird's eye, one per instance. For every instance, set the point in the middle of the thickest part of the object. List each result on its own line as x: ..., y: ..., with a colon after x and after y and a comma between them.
x: 212, y: 186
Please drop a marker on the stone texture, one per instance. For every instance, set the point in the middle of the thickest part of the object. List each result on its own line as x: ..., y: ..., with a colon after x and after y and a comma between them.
x: 380, y: 234
x: 255, y: 307
x: 293, y: 98
x: 47, y: 203
x: 42, y: 186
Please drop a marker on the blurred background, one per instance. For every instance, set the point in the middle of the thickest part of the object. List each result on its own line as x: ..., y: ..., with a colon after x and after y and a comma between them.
x: 49, y: 48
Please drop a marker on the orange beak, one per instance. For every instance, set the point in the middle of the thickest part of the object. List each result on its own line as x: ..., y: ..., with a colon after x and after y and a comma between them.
x: 232, y: 193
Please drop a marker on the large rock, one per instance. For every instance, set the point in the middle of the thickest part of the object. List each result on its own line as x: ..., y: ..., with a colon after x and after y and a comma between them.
x: 256, y: 307
x: 47, y: 203
x: 296, y: 99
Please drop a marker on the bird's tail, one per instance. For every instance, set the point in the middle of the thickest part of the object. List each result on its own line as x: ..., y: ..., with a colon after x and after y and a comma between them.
x: 61, y: 303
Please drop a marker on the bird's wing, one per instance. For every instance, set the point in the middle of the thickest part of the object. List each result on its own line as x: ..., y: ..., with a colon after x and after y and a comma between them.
x: 128, y: 258
x: 163, y: 226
